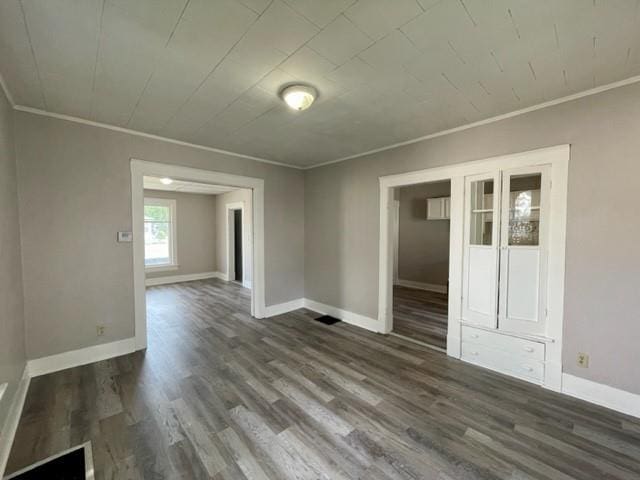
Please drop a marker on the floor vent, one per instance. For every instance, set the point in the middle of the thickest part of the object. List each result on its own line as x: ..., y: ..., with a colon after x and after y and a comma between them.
x: 327, y: 319
x: 72, y: 464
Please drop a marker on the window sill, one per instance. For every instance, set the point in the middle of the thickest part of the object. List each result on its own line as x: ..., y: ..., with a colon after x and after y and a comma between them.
x: 161, y: 268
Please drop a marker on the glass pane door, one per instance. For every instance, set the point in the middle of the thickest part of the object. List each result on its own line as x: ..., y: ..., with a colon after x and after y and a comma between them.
x: 523, y: 250
x: 480, y: 264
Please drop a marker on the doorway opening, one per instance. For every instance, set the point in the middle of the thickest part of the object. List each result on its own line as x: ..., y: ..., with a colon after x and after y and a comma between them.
x: 237, y: 245
x: 421, y: 245
x: 238, y: 240
x: 181, y: 234
x: 197, y: 241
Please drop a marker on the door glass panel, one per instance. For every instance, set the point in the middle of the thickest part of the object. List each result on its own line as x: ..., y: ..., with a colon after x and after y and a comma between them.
x: 524, y: 209
x: 481, y: 218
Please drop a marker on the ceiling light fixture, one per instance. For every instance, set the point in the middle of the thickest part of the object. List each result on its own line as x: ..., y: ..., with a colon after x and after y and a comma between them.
x: 299, y: 97
x: 166, y: 181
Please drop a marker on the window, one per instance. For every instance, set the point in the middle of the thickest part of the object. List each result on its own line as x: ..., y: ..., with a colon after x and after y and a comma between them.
x: 159, y: 233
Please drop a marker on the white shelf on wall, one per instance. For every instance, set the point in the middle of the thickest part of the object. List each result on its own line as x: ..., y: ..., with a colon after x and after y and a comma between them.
x: 438, y: 208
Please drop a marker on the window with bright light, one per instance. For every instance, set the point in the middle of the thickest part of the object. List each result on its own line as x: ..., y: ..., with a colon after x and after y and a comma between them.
x: 159, y: 233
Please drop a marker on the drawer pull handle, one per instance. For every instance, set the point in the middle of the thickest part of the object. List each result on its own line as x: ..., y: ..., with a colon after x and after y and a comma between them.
x: 528, y: 368
x: 528, y: 349
x: 474, y: 353
x: 474, y: 335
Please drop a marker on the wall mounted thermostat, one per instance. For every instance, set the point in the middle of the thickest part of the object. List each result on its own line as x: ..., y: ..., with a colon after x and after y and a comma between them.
x: 125, y: 237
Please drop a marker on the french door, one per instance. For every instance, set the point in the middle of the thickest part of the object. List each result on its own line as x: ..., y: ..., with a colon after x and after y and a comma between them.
x: 505, y: 249
x: 479, y: 291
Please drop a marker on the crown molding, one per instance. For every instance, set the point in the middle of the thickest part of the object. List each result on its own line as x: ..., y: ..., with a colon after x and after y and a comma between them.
x: 70, y: 118
x: 486, y: 121
x: 504, y: 116
x: 6, y: 91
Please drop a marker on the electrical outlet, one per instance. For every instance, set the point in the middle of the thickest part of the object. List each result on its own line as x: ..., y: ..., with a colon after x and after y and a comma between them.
x: 583, y: 360
x: 100, y: 330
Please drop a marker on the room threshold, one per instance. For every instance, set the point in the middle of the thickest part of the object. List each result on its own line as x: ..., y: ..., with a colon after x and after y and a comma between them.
x: 418, y: 342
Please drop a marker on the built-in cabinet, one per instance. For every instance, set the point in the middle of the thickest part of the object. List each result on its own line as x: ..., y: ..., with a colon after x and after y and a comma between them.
x: 504, y: 291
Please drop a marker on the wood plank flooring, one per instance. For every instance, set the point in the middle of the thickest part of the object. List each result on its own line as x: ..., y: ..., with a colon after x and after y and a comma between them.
x: 219, y: 395
x: 420, y: 315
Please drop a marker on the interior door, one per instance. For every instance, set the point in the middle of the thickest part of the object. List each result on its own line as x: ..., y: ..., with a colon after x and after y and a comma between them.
x: 237, y: 247
x: 524, y: 250
x: 480, y: 263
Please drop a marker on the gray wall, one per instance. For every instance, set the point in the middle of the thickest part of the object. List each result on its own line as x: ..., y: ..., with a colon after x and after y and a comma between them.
x: 602, y: 302
x: 12, y: 344
x: 245, y: 196
x: 195, y: 232
x: 423, y: 247
x: 74, y: 182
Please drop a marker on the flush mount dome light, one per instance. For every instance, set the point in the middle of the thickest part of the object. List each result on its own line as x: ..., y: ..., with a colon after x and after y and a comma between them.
x: 299, y: 97
x: 166, y: 181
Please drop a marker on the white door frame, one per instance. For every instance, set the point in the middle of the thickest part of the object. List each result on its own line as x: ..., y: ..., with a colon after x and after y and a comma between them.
x: 231, y: 248
x: 558, y: 158
x: 140, y: 168
x: 396, y: 239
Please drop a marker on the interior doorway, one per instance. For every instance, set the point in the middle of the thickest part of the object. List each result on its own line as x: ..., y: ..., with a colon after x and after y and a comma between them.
x: 252, y: 266
x: 238, y: 240
x: 421, y: 262
x: 237, y: 244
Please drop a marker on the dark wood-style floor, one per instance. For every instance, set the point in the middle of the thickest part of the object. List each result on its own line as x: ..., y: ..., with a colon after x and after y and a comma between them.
x: 420, y: 315
x: 221, y: 395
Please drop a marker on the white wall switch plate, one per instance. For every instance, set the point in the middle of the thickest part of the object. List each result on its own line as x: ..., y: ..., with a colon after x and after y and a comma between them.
x: 125, y: 237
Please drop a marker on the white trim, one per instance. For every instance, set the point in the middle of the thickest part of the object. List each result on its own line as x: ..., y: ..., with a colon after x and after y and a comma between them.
x: 187, y: 277
x: 140, y: 168
x: 280, y: 308
x: 8, y: 430
x: 70, y: 118
x: 395, y: 225
x: 173, y: 239
x: 346, y: 316
x: 82, y: 356
x: 558, y: 157
x: 161, y: 268
x: 7, y: 94
x: 601, y: 394
x: 429, y: 287
x: 497, y: 118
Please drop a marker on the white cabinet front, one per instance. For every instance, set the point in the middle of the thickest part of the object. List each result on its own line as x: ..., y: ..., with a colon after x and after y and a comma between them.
x: 523, y: 254
x: 505, y: 250
x: 480, y: 268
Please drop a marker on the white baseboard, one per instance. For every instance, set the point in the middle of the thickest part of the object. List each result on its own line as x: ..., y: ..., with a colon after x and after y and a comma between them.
x: 600, y: 394
x: 453, y: 346
x: 13, y: 419
x: 430, y: 287
x: 247, y: 284
x: 149, y: 282
x: 280, y: 308
x: 346, y: 316
x: 83, y: 356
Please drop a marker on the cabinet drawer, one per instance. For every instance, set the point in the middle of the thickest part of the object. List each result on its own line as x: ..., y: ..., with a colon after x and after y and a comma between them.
x: 518, y: 346
x: 504, y: 362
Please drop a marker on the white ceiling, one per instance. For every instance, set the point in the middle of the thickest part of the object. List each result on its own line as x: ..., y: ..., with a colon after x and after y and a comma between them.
x: 209, y: 71
x: 154, y: 183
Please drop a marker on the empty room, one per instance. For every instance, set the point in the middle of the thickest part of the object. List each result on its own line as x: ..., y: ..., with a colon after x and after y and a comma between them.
x: 304, y: 239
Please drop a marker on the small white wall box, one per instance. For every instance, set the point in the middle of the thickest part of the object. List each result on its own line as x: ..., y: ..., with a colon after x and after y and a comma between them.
x: 125, y: 237
x: 438, y: 208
